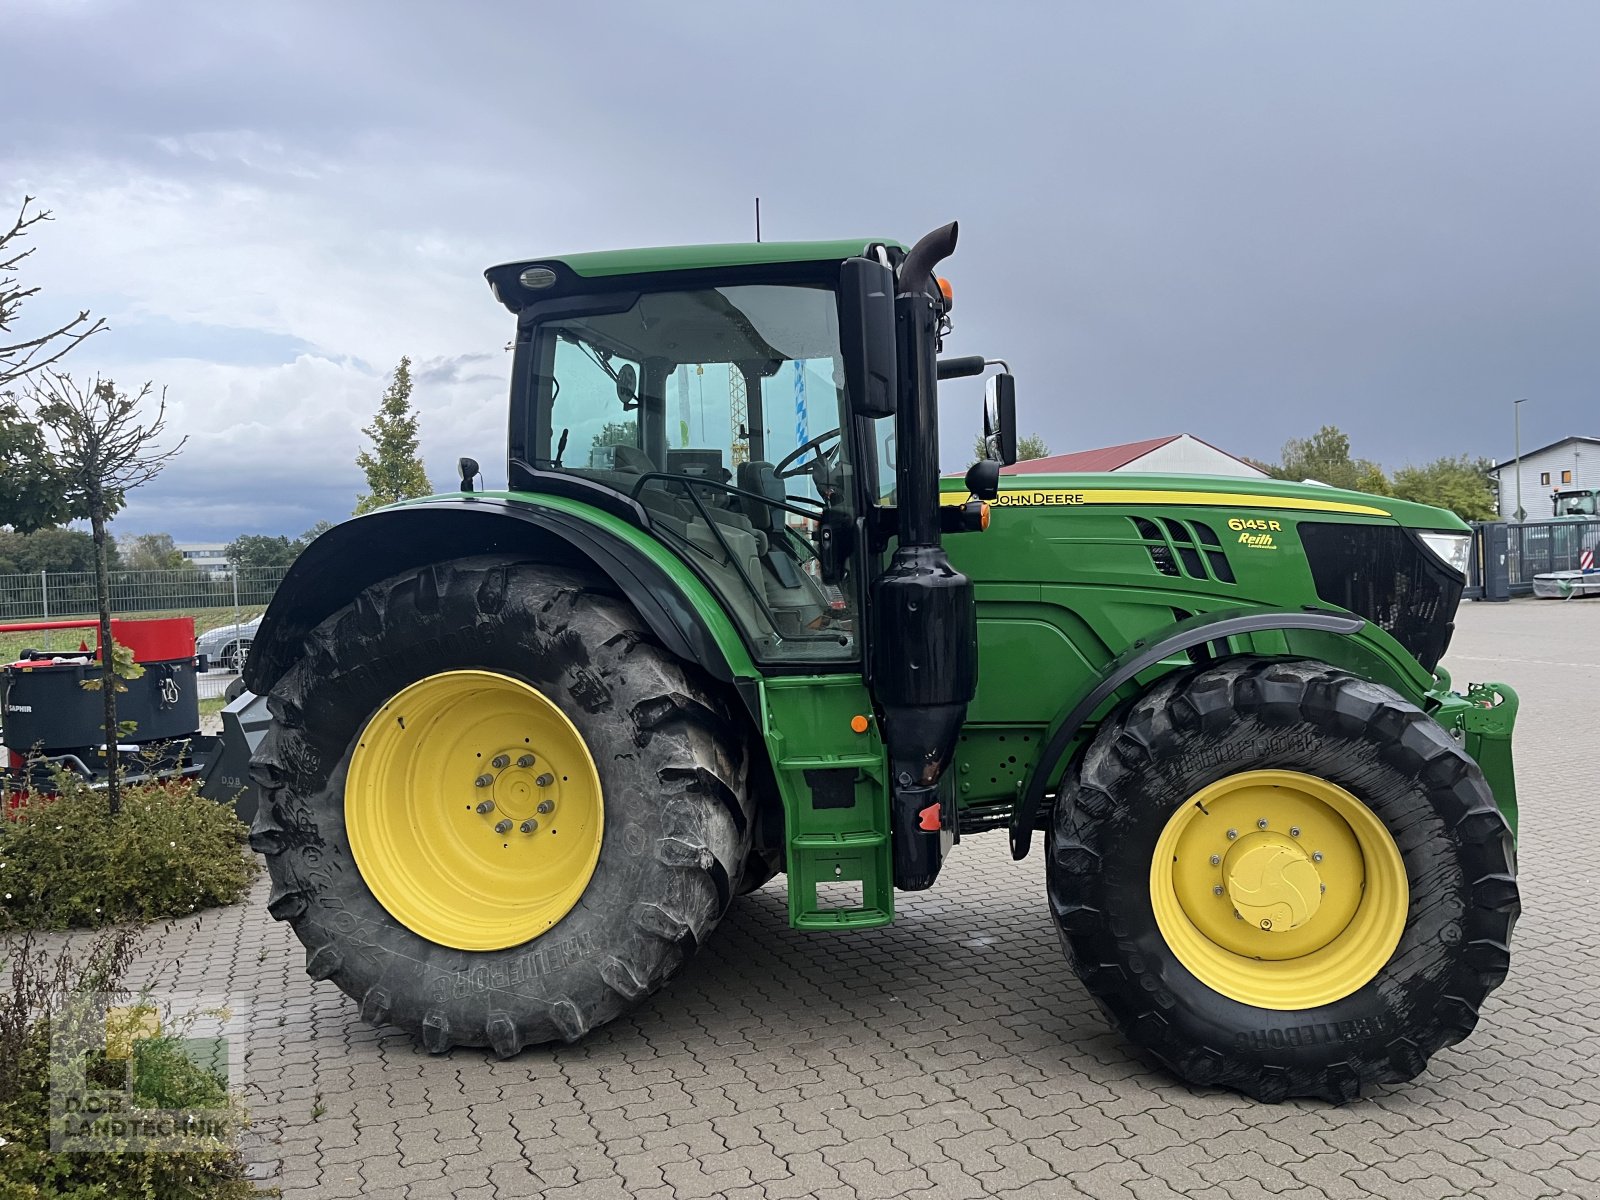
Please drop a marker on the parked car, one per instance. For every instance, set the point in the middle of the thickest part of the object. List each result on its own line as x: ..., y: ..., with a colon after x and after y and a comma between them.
x: 227, y: 645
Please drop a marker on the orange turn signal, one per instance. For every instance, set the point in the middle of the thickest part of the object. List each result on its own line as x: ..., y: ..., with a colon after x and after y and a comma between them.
x: 858, y: 723
x: 983, y: 521
x: 946, y: 291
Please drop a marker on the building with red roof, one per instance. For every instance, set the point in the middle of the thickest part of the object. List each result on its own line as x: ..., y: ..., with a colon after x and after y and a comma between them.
x: 1177, y: 454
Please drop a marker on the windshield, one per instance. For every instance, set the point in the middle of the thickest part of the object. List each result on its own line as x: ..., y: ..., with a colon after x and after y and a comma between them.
x: 1575, y: 504
x: 718, y: 410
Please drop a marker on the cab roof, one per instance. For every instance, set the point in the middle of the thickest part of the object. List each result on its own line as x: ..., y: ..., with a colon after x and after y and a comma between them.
x: 505, y: 278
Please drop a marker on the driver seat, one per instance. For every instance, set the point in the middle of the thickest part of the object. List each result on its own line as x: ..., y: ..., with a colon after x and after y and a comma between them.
x: 760, y: 478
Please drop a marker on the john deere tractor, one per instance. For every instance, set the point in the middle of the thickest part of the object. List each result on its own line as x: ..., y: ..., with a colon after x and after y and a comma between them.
x: 727, y: 622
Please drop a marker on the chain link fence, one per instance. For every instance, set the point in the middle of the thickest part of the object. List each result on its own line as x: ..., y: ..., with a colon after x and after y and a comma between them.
x: 52, y: 595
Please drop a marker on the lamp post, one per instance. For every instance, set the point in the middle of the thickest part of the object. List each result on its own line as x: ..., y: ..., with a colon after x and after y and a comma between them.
x: 1516, y: 409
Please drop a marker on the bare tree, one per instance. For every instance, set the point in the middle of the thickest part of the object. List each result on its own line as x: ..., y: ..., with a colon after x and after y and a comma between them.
x: 105, y: 446
x: 22, y: 358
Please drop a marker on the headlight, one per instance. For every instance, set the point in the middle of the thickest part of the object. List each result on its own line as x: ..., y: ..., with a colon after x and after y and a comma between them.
x: 1453, y: 549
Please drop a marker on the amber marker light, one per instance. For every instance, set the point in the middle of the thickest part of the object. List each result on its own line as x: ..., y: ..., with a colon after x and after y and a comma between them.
x: 858, y: 723
x: 946, y: 291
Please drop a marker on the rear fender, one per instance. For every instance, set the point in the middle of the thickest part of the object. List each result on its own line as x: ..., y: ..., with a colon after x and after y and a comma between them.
x: 351, y: 557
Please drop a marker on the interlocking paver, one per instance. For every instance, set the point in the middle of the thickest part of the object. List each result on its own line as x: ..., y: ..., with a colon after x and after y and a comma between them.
x: 952, y: 1055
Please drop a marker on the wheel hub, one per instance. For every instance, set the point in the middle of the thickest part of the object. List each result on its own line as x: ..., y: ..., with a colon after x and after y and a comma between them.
x: 1272, y: 882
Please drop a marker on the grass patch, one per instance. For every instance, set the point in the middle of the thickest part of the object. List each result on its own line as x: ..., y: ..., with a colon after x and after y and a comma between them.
x: 66, y: 862
x: 151, y: 1073
x: 209, y: 705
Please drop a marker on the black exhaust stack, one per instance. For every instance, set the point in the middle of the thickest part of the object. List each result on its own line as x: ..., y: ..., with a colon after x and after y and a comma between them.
x: 924, y: 657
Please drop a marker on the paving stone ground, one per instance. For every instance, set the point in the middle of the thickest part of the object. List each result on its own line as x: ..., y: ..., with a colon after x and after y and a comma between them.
x: 952, y: 1054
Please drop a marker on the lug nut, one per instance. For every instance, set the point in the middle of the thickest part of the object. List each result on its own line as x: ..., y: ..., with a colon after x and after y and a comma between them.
x: 1216, y: 860
x: 1217, y: 890
x: 530, y: 825
x: 547, y: 806
x: 1316, y: 856
x: 501, y: 762
x: 545, y: 780
x: 503, y: 825
x: 483, y: 781
x: 525, y: 761
x: 1262, y: 823
x: 1232, y: 833
x: 486, y: 806
x: 1294, y: 831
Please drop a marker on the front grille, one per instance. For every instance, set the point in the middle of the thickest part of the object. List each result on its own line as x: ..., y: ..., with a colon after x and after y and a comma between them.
x: 1383, y: 573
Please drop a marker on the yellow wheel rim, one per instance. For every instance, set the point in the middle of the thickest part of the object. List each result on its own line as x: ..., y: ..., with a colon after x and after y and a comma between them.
x: 1278, y: 889
x: 474, y: 810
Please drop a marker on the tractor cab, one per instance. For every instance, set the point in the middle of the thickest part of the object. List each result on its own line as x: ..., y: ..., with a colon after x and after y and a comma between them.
x: 712, y: 408
x: 1576, y: 502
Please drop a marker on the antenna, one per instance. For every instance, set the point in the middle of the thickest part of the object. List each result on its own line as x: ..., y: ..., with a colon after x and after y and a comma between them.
x: 758, y: 218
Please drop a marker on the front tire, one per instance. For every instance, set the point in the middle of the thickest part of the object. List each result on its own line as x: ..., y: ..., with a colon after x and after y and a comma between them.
x: 1282, y: 879
x: 480, y: 650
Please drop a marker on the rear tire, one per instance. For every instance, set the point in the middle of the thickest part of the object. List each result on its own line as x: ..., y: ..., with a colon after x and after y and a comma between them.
x: 1349, y: 737
x: 671, y: 761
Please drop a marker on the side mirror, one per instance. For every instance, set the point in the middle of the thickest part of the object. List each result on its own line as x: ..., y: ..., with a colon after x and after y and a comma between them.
x: 983, y: 478
x: 468, y: 467
x: 866, y: 335
x: 1000, y: 417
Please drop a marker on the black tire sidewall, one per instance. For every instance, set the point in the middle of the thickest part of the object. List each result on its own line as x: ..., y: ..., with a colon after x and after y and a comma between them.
x: 1356, y: 734
x: 598, y: 673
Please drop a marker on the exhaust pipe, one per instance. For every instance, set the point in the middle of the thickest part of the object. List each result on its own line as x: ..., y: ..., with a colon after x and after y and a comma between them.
x: 924, y: 659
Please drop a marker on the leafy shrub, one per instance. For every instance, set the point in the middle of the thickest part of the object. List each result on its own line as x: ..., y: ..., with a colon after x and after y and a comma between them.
x: 41, y: 986
x: 66, y: 862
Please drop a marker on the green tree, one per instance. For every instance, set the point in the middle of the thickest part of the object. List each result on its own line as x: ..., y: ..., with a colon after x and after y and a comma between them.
x: 263, y: 550
x: 104, y: 441
x: 32, y: 489
x: 394, y: 472
x: 316, y: 531
x: 1029, y: 446
x: 1325, y: 457
x: 54, y: 550
x: 618, y: 433
x: 152, y: 552
x: 1458, y: 484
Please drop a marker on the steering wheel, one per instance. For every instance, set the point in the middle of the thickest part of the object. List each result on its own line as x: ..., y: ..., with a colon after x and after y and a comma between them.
x: 784, y: 471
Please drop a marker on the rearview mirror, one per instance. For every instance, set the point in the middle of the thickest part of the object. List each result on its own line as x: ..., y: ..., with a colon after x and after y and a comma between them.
x: 866, y: 335
x: 628, y: 386
x: 1000, y: 417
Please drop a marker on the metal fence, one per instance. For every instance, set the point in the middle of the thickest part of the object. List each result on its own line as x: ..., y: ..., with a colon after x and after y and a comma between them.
x: 1534, y: 548
x: 51, y: 595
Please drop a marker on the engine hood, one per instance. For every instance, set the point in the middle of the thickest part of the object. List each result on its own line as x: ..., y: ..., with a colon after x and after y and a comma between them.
x: 1067, y: 490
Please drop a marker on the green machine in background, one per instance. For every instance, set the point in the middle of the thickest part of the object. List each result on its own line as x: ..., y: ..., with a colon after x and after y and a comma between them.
x: 726, y: 622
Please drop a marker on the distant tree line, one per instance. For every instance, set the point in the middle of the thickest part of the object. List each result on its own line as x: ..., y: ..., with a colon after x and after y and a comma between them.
x: 1460, y: 484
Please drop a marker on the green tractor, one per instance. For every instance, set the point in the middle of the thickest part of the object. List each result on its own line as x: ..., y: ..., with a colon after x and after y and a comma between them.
x: 527, y: 747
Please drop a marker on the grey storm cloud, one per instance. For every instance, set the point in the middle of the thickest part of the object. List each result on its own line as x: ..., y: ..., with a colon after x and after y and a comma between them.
x: 1240, y: 220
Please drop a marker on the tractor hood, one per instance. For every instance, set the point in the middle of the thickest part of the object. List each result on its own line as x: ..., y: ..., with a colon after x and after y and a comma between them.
x: 1211, y: 491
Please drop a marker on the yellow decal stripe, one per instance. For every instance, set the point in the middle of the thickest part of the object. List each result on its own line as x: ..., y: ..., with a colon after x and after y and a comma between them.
x: 1069, y: 498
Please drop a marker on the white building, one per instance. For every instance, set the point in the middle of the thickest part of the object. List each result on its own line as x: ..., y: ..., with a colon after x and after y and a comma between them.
x: 1177, y: 454
x: 210, y: 557
x: 1573, y: 462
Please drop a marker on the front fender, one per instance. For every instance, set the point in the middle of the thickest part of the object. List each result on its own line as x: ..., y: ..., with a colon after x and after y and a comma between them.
x: 1252, y: 626
x: 353, y: 556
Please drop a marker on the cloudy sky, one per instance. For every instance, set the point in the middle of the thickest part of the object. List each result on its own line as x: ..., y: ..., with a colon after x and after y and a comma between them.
x: 1239, y: 220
